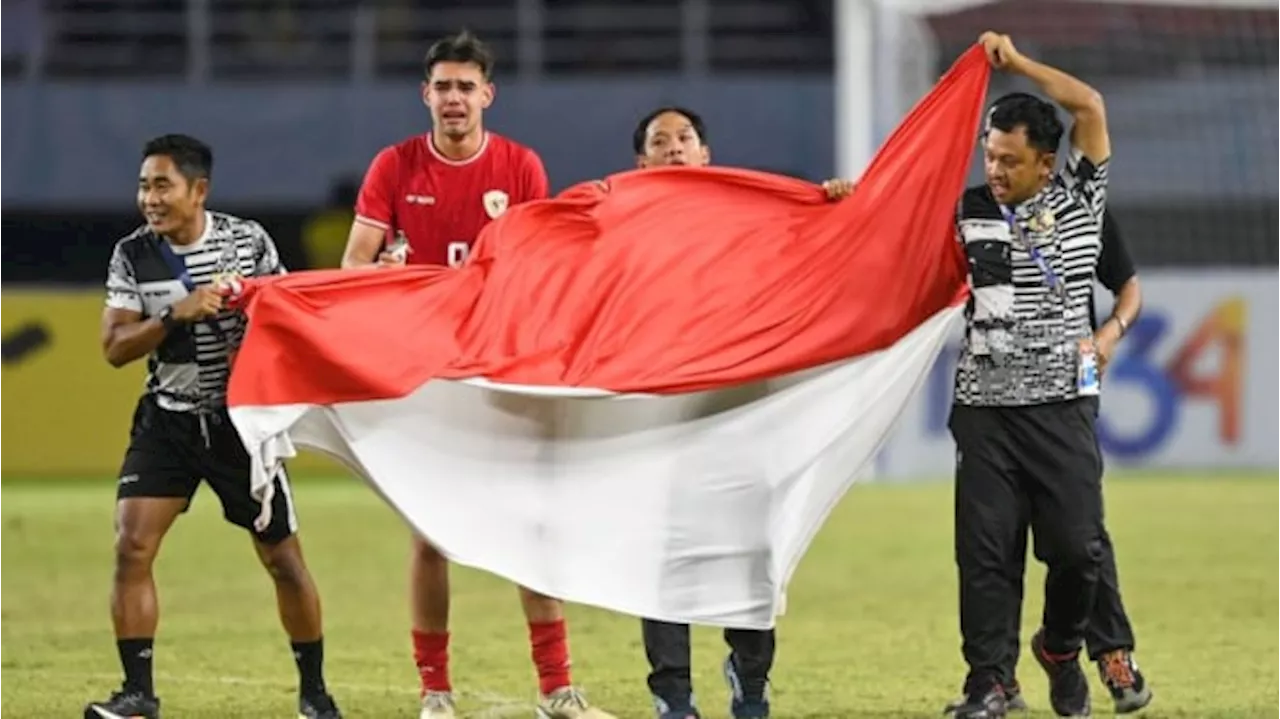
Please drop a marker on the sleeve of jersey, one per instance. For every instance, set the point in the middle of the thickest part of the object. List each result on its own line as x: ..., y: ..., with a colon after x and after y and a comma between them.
x: 1087, y: 180
x: 375, y: 205
x: 1115, y: 265
x: 266, y: 257
x: 122, y: 283
x: 536, y: 185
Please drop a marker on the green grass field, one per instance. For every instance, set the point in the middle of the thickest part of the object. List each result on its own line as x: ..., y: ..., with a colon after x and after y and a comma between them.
x: 870, y: 631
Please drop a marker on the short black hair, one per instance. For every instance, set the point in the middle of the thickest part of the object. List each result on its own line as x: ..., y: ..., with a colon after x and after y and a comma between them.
x: 1040, y: 118
x: 463, y: 47
x: 642, y: 129
x: 193, y: 158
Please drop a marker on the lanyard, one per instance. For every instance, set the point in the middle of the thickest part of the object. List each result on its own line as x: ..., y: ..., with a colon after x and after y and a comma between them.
x: 176, y: 265
x: 1046, y: 270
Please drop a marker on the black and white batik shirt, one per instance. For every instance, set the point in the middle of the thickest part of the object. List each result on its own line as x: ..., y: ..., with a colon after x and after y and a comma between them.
x: 1022, y: 337
x: 190, y: 368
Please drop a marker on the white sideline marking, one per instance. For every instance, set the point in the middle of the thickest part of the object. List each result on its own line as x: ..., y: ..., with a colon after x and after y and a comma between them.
x: 496, y: 704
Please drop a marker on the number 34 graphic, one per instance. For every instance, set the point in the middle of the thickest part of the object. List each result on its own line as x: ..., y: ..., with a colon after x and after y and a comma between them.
x: 1184, y: 377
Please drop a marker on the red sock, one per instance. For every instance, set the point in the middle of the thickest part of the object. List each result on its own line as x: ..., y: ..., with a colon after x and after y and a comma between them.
x: 550, y: 654
x: 431, y: 654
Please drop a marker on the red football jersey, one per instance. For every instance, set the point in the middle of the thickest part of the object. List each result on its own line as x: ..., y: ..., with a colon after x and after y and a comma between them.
x: 440, y: 204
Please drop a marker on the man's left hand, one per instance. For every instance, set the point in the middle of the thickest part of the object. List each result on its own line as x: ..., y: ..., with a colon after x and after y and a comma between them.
x: 838, y: 189
x: 1104, y: 343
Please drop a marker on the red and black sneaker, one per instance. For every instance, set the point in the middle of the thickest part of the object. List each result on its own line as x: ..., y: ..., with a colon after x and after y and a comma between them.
x: 1068, y: 686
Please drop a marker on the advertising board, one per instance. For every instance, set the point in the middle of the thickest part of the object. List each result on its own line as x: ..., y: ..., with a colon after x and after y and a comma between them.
x: 1193, y: 385
x: 66, y: 412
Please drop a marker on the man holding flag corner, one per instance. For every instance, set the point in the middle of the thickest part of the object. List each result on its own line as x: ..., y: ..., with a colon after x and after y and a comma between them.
x: 1027, y: 386
x: 1109, y: 637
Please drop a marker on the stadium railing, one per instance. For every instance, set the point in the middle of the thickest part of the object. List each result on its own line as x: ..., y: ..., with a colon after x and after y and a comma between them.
x: 261, y: 40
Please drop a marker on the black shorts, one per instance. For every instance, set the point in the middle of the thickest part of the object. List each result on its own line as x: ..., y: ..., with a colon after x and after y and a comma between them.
x: 168, y: 457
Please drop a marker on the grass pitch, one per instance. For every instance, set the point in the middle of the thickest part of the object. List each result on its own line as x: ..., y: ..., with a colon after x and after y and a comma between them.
x: 871, y: 629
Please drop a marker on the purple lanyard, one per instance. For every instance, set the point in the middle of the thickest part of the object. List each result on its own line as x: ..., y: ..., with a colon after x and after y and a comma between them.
x: 1050, y: 277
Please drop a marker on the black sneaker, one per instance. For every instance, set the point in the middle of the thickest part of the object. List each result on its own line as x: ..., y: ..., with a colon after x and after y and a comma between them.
x: 318, y: 706
x: 989, y: 703
x: 675, y: 710
x: 749, y: 696
x: 1068, y: 686
x: 125, y: 704
x: 1128, y: 688
x: 1013, y: 699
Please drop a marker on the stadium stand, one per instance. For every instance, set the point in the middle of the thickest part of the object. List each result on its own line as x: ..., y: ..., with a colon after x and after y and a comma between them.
x: 1191, y: 87
x: 283, y: 39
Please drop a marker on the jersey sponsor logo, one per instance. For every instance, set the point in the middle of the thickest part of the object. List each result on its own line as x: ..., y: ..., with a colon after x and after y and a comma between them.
x: 495, y: 203
x: 420, y: 199
x: 973, y: 231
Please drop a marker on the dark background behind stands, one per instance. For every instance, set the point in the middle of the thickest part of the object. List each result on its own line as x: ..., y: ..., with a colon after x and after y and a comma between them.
x: 1192, y: 95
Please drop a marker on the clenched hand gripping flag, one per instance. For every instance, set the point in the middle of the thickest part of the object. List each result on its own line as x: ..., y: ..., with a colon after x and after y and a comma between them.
x: 645, y: 394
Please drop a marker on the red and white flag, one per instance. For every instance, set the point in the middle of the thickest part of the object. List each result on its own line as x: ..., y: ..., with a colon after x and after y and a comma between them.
x: 645, y: 394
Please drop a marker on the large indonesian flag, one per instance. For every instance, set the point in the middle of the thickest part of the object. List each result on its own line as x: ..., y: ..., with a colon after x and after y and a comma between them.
x: 645, y: 394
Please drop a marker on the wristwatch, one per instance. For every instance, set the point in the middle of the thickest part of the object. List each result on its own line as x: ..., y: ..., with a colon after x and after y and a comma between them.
x: 167, y: 319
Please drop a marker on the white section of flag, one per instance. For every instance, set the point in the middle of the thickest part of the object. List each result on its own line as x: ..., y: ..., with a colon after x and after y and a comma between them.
x: 689, y: 508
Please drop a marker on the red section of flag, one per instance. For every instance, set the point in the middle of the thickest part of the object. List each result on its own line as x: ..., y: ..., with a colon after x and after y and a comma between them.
x: 663, y: 280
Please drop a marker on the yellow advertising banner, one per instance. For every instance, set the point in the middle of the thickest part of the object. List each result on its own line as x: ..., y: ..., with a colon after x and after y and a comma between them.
x: 65, y: 411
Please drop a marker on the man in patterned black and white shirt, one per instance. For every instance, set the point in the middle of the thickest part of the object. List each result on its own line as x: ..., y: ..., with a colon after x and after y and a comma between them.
x: 165, y: 302
x: 1027, y: 383
x: 1109, y: 637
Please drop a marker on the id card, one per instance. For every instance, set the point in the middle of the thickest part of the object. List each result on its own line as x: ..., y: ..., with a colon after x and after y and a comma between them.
x: 1087, y: 384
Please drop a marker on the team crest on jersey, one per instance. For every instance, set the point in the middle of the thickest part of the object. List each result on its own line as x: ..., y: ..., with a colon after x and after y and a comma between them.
x: 495, y: 203
x: 1042, y: 221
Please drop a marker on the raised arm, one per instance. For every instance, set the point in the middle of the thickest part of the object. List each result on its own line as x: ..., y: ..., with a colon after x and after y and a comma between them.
x: 1089, y: 128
